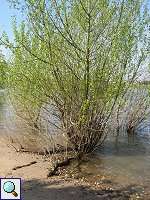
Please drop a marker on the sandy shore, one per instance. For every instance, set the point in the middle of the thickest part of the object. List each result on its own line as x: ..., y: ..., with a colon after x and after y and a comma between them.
x: 36, y: 185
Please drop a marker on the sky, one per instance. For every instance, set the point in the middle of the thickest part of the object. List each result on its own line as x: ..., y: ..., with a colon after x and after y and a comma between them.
x: 6, y: 14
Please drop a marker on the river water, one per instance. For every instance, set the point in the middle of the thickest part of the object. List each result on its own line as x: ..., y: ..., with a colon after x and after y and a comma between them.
x: 125, y: 159
x: 6, y: 115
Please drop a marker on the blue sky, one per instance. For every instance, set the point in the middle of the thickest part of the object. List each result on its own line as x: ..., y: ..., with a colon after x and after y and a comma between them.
x: 6, y: 15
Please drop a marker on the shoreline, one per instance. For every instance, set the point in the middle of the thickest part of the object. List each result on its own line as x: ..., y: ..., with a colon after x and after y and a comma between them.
x: 37, y: 186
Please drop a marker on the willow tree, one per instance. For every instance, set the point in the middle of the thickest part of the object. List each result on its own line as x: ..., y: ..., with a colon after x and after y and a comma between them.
x: 79, y: 57
x: 3, y: 71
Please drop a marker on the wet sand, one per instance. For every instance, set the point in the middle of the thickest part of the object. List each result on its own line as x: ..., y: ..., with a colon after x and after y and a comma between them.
x: 37, y: 186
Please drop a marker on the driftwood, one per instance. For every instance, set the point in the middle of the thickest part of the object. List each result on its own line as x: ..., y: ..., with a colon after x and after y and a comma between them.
x: 21, y: 166
x: 60, y: 149
x: 57, y: 164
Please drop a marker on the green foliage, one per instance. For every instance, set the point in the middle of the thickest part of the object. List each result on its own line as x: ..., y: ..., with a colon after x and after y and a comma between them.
x: 3, y: 72
x: 79, y: 57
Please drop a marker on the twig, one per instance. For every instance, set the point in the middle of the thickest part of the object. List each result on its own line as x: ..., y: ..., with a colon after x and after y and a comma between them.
x: 21, y: 166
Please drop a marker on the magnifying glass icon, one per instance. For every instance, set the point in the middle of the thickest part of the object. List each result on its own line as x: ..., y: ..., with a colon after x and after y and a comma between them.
x: 9, y: 187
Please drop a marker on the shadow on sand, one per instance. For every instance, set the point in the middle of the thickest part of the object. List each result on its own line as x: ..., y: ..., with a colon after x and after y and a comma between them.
x: 56, y: 190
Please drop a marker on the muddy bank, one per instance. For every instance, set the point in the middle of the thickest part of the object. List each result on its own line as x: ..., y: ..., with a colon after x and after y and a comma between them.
x: 66, y: 186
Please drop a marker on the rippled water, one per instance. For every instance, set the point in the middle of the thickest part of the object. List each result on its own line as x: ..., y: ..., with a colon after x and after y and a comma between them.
x: 125, y: 159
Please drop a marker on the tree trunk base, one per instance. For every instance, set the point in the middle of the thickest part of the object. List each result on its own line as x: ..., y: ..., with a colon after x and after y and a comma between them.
x: 57, y: 164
